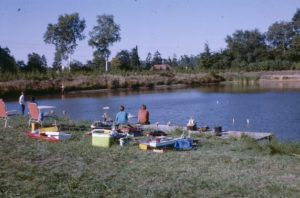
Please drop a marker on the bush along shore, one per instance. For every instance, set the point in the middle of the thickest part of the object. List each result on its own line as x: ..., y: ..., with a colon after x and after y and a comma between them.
x: 107, y: 81
x: 74, y: 168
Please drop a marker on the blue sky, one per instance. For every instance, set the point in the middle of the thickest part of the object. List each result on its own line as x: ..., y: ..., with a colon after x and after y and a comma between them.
x: 169, y: 26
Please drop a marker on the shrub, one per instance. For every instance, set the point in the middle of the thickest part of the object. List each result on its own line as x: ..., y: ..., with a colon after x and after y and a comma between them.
x: 269, y: 65
x: 283, y: 148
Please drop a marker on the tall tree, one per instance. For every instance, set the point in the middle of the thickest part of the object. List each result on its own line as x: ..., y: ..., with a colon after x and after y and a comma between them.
x: 103, y: 35
x: 64, y: 35
x: 134, y: 58
x: 174, y: 61
x: 157, y: 58
x: 205, y: 60
x: 148, y: 60
x: 296, y: 21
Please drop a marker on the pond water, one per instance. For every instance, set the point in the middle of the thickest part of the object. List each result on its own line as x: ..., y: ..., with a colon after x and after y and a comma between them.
x: 245, y: 108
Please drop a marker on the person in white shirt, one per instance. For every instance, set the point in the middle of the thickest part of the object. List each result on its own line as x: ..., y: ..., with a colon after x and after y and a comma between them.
x: 22, y: 102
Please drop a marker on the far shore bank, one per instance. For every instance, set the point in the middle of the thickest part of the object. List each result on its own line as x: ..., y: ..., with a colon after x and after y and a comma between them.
x: 107, y: 82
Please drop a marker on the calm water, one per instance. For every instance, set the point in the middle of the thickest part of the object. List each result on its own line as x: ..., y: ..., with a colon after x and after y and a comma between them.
x: 274, y: 110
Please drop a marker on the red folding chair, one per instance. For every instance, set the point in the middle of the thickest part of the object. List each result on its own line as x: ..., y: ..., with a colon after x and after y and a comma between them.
x: 34, y: 113
x: 4, y: 115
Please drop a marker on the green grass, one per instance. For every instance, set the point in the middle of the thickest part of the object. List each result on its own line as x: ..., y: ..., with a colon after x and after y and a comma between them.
x: 216, y: 168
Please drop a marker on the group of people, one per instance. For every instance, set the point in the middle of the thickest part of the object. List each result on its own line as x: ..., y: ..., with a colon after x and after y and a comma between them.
x: 122, y: 116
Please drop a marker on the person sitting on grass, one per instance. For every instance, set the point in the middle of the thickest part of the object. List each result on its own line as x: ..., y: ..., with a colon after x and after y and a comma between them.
x: 121, y: 117
x: 143, y: 115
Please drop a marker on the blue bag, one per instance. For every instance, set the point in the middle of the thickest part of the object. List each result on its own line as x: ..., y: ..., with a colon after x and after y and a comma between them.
x: 184, y: 144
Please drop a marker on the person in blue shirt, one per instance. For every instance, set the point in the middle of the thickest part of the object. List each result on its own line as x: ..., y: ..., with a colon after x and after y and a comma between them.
x: 121, y: 117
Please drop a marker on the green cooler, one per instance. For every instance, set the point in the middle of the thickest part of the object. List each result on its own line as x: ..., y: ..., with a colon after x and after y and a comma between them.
x: 101, y: 139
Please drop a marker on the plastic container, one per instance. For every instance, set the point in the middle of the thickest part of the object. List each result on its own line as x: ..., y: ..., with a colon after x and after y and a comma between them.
x: 144, y: 146
x: 53, y: 129
x: 101, y: 139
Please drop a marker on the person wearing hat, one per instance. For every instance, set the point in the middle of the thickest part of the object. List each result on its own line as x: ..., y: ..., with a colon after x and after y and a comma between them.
x: 121, y: 117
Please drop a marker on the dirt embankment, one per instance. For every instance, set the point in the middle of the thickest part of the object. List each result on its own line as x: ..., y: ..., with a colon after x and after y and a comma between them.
x: 143, y: 81
x: 106, y: 82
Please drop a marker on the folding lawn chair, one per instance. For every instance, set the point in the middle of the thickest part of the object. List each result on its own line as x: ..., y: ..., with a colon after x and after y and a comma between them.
x: 4, y: 115
x: 35, y: 115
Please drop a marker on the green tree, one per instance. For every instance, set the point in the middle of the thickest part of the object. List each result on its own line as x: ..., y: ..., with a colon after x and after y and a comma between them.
x: 64, y: 35
x: 104, y: 34
x: 174, y: 61
x: 280, y: 36
x: 99, y: 61
x: 148, y: 60
x: 294, y: 51
x: 247, y: 46
x: 122, y: 60
x: 168, y: 61
x: 21, y: 65
x: 205, y: 60
x: 157, y: 58
x: 76, y: 65
x: 7, y: 61
x: 36, y: 63
x: 134, y: 58
x: 185, y: 61
x: 296, y: 21
x: 222, y: 59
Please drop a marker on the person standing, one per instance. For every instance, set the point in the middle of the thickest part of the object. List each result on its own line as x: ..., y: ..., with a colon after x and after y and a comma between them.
x: 22, y: 102
x: 143, y: 115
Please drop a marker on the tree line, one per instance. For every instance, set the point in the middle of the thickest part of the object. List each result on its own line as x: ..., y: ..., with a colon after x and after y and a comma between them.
x: 246, y: 50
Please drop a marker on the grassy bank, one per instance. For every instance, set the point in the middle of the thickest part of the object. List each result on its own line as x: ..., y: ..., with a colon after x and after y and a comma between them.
x: 51, y: 83
x: 216, y: 168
